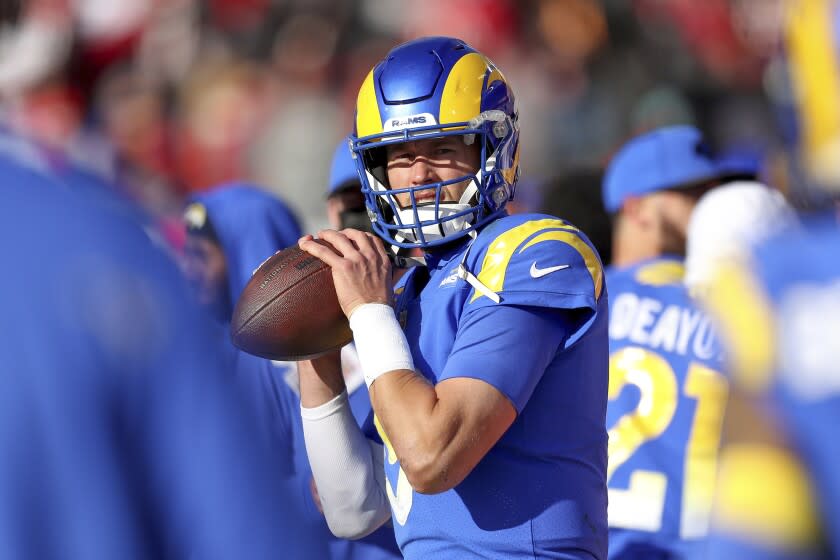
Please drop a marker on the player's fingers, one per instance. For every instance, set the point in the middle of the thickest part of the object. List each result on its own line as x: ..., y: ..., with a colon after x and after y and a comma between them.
x: 380, y: 246
x: 306, y: 237
x: 366, y: 245
x: 374, y: 247
x: 341, y: 243
x: 322, y: 252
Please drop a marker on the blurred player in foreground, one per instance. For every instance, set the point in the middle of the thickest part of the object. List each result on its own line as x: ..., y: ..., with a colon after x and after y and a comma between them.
x: 779, y: 314
x: 666, y: 396
x: 120, y: 436
x: 488, y: 374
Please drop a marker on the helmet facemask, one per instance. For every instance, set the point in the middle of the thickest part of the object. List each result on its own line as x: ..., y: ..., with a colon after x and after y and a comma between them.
x: 430, y: 222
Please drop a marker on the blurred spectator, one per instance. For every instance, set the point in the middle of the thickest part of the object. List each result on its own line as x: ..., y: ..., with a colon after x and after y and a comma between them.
x: 133, y: 117
x: 221, y: 106
x: 35, y: 39
x: 172, y: 97
x: 491, y: 26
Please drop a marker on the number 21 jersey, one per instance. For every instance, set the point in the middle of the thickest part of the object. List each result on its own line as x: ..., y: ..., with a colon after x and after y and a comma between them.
x: 664, y: 415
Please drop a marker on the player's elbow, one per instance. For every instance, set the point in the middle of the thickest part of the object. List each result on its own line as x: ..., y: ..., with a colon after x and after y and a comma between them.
x: 356, y: 514
x: 346, y: 523
x: 347, y: 528
x: 430, y: 473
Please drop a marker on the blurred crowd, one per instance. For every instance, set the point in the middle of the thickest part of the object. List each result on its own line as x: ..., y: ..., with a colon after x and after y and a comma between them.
x: 165, y: 98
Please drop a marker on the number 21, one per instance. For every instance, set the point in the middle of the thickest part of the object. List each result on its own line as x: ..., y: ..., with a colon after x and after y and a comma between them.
x: 641, y: 505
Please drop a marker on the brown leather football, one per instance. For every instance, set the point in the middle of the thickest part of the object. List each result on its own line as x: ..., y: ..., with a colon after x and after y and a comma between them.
x: 288, y: 310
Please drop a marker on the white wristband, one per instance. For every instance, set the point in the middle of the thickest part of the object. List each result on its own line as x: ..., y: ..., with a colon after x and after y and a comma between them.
x: 380, y: 341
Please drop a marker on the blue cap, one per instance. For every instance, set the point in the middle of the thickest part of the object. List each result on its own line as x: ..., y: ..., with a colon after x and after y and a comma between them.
x: 741, y: 161
x: 666, y: 158
x: 343, y: 171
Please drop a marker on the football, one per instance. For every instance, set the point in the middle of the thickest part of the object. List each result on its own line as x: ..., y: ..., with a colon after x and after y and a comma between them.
x: 289, y: 310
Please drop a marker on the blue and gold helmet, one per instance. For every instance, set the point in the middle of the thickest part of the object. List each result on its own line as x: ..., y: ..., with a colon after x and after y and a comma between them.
x: 430, y: 88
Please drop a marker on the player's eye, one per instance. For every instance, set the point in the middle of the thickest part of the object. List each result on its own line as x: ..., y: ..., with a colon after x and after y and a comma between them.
x: 399, y: 157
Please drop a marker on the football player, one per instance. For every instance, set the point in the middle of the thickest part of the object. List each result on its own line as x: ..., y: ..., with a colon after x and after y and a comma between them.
x: 666, y: 393
x: 121, y: 439
x: 487, y: 370
x: 779, y: 490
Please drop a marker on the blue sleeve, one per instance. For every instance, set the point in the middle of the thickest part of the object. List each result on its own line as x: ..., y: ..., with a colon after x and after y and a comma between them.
x: 508, y: 347
x: 538, y: 263
x: 272, y: 405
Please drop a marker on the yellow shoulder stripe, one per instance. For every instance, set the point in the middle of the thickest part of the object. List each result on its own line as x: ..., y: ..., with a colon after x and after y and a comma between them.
x: 494, y: 266
x: 764, y: 495
x: 661, y: 273
x: 745, y: 321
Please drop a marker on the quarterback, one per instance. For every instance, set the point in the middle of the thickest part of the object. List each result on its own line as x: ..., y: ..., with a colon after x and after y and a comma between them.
x: 487, y: 364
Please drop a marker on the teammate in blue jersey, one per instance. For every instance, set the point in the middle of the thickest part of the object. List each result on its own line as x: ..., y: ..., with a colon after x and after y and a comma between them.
x: 487, y: 366
x: 666, y: 395
x: 120, y: 436
x: 230, y: 231
x: 778, y: 309
x: 665, y: 413
x: 779, y: 492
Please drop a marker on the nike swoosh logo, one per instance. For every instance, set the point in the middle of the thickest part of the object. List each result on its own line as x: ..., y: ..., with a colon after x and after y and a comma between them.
x: 540, y: 272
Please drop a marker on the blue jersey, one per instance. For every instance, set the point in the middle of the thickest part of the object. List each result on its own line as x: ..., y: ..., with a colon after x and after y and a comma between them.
x: 120, y: 435
x: 781, y: 319
x: 540, y: 491
x: 664, y: 415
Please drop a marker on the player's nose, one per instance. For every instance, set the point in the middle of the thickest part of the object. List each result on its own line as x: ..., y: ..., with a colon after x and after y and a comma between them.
x: 421, y: 172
